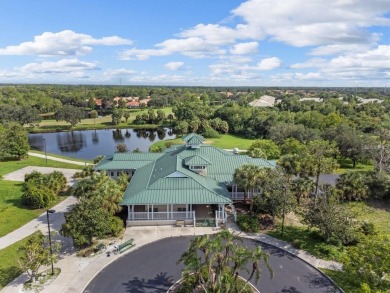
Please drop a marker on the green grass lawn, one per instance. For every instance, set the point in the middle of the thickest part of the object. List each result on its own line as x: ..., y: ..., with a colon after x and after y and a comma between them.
x: 12, y: 213
x: 10, y: 166
x: 9, y: 268
x: 347, y: 166
x: 98, y: 123
x: 226, y: 141
x: 374, y: 211
x: 62, y: 157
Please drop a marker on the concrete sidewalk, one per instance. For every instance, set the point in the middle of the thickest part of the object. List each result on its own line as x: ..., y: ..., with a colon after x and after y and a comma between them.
x: 40, y: 223
x: 58, y: 159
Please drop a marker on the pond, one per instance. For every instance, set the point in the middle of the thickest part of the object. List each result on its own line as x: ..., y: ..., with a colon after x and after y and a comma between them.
x: 88, y: 144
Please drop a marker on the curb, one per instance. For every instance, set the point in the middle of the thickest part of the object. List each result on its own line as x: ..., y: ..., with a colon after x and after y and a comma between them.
x: 244, y: 236
x: 305, y: 261
x: 136, y: 247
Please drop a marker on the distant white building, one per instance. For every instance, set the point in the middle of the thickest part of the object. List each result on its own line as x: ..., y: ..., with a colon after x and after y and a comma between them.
x: 263, y: 101
x: 368, y: 101
x: 319, y: 100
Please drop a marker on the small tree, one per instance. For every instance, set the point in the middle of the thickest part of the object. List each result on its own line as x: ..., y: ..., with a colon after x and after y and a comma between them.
x: 93, y: 114
x: 127, y: 116
x: 331, y: 218
x: 267, y: 149
x: 121, y: 148
x: 13, y: 141
x: 320, y: 158
x: 369, y: 262
x: 70, y: 114
x: 35, y: 253
x: 117, y: 116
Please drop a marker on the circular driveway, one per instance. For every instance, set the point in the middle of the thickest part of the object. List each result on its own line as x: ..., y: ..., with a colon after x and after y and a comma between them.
x: 152, y: 268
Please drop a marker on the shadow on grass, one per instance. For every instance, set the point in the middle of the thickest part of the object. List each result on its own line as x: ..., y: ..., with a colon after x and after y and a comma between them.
x: 8, y: 274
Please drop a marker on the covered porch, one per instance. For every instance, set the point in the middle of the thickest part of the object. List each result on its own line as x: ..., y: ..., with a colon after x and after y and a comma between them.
x: 169, y: 214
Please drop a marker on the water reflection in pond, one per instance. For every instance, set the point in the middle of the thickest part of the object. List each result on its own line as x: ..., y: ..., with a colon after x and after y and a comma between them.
x: 90, y: 143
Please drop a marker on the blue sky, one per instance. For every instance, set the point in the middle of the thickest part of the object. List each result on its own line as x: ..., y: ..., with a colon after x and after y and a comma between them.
x: 196, y: 42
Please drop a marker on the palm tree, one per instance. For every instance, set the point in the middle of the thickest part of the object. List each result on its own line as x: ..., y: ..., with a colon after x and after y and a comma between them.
x: 248, y: 177
x: 352, y: 186
x: 214, y: 263
x: 301, y: 188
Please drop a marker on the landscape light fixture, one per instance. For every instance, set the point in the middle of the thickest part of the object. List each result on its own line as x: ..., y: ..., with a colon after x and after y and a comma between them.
x: 44, y: 141
x: 51, y: 250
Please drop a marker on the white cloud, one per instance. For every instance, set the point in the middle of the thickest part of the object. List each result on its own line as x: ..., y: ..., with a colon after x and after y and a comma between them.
x: 64, y: 43
x: 120, y: 71
x: 305, y: 23
x: 372, y: 64
x: 68, y: 68
x: 61, y: 66
x: 335, y: 27
x: 244, y: 48
x: 174, y: 65
x: 269, y: 63
x: 236, y: 69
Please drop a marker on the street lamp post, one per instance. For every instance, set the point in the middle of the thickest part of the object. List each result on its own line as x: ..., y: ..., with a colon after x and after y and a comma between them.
x: 284, y: 207
x: 51, y: 250
x: 44, y: 140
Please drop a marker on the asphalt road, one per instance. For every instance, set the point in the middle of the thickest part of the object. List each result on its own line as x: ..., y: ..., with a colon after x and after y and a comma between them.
x: 152, y: 268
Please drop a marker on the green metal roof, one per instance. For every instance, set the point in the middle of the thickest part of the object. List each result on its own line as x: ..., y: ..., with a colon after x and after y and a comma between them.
x: 169, y: 181
x: 126, y: 161
x: 164, y: 178
x: 194, y: 141
x: 190, y: 136
x: 196, y: 160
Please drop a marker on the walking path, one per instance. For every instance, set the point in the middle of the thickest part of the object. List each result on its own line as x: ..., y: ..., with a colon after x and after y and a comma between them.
x: 58, y: 159
x: 40, y: 223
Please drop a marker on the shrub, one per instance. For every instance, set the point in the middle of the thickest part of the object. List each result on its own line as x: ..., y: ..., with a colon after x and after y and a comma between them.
x: 368, y: 228
x: 37, y: 196
x: 247, y: 223
x: 98, y: 159
x: 210, y: 133
x: 297, y: 243
x: 116, y: 226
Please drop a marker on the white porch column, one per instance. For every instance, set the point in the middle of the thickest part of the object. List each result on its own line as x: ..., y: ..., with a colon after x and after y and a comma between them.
x: 147, y: 206
x: 152, y: 212
x: 128, y: 212
x: 186, y: 211
x: 193, y: 215
x: 167, y: 211
x: 171, y: 211
x: 132, y: 211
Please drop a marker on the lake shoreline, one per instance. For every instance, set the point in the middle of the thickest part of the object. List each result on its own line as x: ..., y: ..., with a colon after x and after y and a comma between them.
x: 67, y: 128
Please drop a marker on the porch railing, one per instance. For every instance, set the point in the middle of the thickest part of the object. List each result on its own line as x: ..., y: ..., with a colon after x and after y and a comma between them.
x: 161, y: 216
x: 239, y: 195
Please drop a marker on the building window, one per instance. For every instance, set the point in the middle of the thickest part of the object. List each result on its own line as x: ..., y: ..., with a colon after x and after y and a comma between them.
x: 198, y: 167
x: 181, y: 209
x: 112, y: 173
x: 155, y: 210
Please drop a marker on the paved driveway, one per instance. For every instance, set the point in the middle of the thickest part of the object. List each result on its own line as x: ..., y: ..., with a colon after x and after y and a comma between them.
x: 152, y: 268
